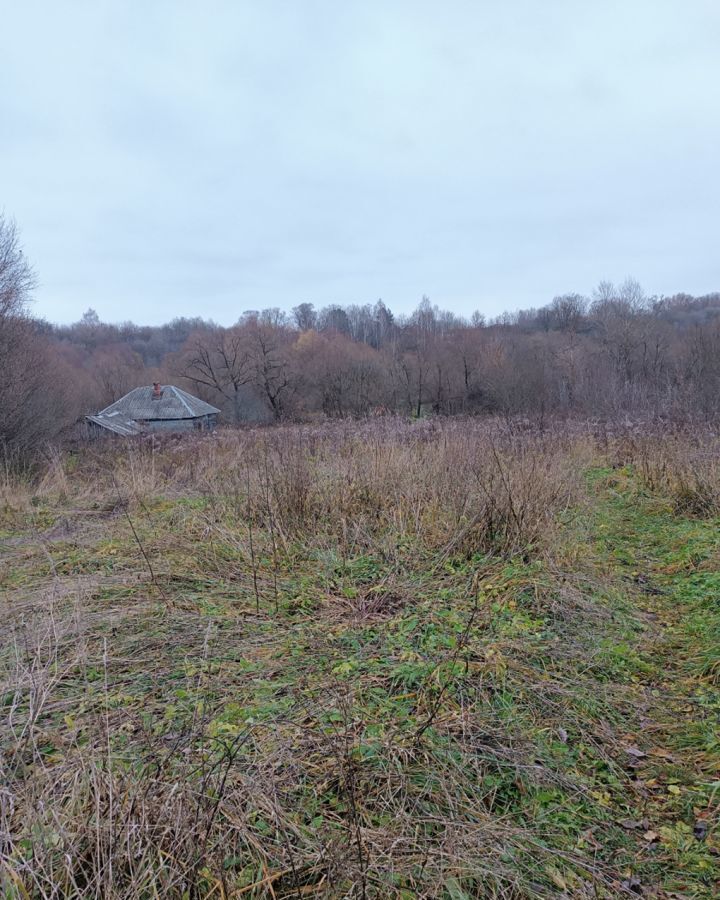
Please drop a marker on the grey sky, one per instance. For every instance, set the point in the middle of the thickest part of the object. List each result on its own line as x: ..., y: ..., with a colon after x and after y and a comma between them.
x: 203, y: 158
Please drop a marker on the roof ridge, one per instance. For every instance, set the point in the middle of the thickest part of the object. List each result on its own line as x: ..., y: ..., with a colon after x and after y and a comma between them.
x: 179, y: 394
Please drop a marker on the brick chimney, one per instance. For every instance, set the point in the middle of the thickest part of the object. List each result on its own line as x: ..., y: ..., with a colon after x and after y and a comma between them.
x: 157, y: 391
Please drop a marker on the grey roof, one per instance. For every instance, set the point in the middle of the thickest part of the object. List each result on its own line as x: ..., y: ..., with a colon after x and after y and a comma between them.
x: 125, y: 415
x: 119, y: 425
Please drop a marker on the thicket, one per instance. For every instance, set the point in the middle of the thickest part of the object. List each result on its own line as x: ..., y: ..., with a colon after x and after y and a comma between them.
x: 615, y: 354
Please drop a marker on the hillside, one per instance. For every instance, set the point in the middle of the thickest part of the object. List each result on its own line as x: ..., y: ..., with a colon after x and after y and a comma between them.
x: 433, y: 659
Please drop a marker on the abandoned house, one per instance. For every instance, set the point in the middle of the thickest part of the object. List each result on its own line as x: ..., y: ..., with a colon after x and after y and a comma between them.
x: 162, y: 407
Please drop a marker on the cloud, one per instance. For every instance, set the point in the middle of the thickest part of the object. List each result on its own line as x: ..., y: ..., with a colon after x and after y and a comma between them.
x: 194, y: 158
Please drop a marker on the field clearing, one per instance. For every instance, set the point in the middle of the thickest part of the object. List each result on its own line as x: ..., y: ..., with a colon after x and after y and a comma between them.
x: 433, y: 659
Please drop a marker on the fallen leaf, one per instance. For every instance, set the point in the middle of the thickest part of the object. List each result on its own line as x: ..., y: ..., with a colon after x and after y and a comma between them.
x: 635, y: 753
x: 651, y: 837
x: 633, y: 824
x: 662, y: 753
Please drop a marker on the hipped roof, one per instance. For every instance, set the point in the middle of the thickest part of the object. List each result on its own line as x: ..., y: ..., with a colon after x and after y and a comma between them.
x: 125, y: 415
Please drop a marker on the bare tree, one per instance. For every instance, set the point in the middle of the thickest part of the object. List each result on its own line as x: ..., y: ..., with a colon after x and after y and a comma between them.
x: 333, y: 318
x: 220, y: 360
x: 117, y: 369
x: 272, y: 375
x: 35, y: 390
x: 17, y: 278
x: 273, y: 316
x: 305, y: 316
x: 568, y: 311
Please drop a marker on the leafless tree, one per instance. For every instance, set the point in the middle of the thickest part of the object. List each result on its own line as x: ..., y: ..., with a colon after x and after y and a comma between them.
x: 305, y: 316
x: 568, y: 311
x: 272, y: 373
x: 220, y: 360
x: 17, y: 278
x: 31, y: 398
x: 116, y: 369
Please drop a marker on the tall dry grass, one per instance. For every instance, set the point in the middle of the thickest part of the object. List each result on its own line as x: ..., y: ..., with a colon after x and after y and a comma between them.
x: 681, y: 464
x: 453, y: 485
x: 103, y: 799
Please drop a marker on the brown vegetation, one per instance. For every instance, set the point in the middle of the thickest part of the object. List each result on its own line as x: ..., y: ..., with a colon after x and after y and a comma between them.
x: 351, y: 660
x: 127, y: 807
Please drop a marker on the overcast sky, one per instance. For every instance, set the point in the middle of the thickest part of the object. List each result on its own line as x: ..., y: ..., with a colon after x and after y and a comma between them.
x: 204, y: 158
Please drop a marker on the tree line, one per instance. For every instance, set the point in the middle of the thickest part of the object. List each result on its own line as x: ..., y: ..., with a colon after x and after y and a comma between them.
x: 617, y: 352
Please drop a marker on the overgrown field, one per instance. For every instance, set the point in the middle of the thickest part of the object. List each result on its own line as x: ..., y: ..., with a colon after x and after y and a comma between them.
x: 396, y: 660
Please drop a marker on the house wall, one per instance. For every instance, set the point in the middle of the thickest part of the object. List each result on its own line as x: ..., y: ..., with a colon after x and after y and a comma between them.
x: 92, y: 431
x: 200, y: 423
x: 169, y: 425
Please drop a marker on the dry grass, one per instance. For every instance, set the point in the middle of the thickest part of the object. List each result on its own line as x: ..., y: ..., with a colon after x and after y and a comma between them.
x: 347, y: 661
x: 484, y: 486
x: 682, y: 464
